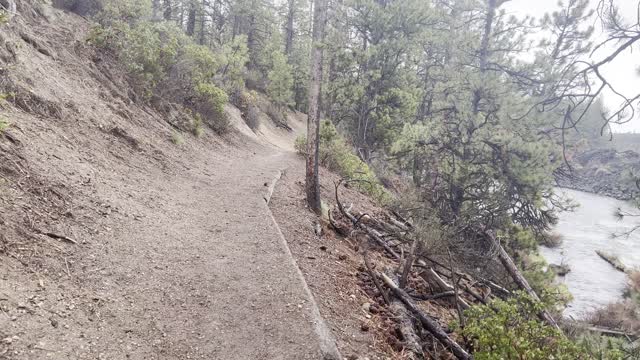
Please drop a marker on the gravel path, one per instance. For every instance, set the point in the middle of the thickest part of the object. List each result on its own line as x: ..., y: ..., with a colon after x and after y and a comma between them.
x: 210, y: 274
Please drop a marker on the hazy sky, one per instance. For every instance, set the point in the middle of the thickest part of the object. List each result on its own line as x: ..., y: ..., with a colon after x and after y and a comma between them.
x: 622, y: 73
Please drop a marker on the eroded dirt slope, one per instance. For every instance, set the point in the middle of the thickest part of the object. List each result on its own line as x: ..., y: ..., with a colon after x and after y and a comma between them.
x: 117, y: 243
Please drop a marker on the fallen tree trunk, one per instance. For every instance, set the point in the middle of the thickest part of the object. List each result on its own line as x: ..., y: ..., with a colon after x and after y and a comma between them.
x: 374, y: 234
x: 517, y: 277
x: 432, y: 326
x: 411, y: 339
x: 613, y: 261
x: 447, y: 287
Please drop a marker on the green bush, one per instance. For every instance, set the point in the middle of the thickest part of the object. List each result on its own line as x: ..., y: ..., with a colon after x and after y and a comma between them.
x: 163, y: 62
x: 147, y: 50
x: 607, y: 348
x: 510, y: 329
x: 337, y: 155
x: 210, y: 103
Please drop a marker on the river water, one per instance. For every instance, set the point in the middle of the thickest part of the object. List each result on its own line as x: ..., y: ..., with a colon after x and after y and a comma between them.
x: 593, y: 282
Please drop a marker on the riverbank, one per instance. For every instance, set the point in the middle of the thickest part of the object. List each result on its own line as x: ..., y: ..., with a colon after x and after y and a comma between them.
x: 604, y: 172
x: 593, y: 282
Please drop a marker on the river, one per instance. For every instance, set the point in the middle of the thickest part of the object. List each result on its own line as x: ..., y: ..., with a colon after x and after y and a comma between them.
x: 593, y: 282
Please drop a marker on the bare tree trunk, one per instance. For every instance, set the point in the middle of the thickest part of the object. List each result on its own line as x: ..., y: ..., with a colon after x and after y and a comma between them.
x: 484, y: 49
x: 203, y: 23
x: 289, y: 30
x: 520, y: 280
x: 191, y: 19
x: 155, y: 6
x: 312, y: 183
x: 167, y: 11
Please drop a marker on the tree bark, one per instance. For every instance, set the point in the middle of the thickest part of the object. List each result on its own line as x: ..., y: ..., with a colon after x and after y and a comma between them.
x: 405, y: 324
x: 155, y: 6
x: 167, y: 11
x: 520, y: 280
x: 312, y: 181
x: 429, y: 324
x: 291, y: 12
x: 191, y: 19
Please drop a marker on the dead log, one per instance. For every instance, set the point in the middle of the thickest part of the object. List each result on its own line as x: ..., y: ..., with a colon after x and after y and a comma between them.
x: 402, y: 220
x: 446, y: 287
x: 612, y: 332
x: 517, y: 277
x: 434, y: 296
x: 613, y: 261
x: 429, y: 324
x: 406, y: 328
x: 497, y: 289
x: 408, y: 264
x: 374, y: 234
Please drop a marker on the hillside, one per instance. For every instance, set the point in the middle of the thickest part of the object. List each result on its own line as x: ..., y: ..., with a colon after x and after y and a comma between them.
x: 603, y: 171
x: 155, y: 203
x: 123, y: 236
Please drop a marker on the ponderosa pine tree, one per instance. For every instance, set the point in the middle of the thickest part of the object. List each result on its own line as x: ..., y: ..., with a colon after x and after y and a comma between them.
x: 312, y: 181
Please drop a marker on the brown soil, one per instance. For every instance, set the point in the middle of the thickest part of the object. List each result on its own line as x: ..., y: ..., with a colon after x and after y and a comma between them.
x: 333, y: 267
x: 117, y: 243
x: 155, y: 250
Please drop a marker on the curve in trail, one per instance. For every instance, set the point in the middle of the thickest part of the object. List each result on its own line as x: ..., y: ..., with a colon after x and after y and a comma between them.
x: 215, y: 274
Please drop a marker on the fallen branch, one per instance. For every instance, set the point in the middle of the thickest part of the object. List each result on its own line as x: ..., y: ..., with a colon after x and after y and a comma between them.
x: 374, y: 234
x: 434, y: 296
x: 59, y: 237
x: 429, y: 324
x: 613, y: 261
x: 612, y: 332
x: 517, y: 277
x: 446, y: 287
x: 367, y: 264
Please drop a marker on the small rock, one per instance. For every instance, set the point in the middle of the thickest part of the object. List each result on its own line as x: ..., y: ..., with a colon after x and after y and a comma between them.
x: 323, y: 248
x: 54, y: 322
x: 366, y: 307
x: 364, y: 327
x: 342, y: 257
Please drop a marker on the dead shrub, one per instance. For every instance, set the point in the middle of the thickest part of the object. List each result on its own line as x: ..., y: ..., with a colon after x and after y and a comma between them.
x: 623, y: 315
x: 552, y: 240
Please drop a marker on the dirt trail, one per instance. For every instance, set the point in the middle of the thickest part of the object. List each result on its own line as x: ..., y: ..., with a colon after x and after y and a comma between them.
x: 177, y: 253
x: 194, y: 267
x: 210, y: 277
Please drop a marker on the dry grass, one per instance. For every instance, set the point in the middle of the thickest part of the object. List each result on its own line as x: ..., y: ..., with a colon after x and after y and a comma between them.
x: 622, y: 315
x: 634, y: 281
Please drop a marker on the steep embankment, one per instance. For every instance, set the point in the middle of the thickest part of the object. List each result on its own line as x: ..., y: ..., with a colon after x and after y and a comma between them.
x: 604, y: 172
x: 121, y: 237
